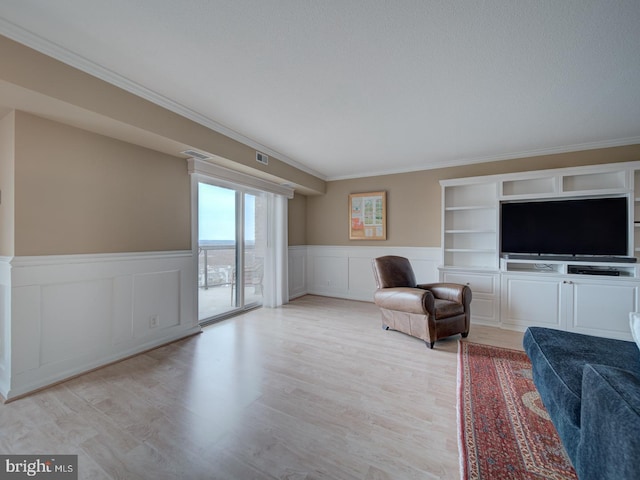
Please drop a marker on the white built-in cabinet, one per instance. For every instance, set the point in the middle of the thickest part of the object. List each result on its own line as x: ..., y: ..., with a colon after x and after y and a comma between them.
x: 519, y: 293
x: 585, y: 305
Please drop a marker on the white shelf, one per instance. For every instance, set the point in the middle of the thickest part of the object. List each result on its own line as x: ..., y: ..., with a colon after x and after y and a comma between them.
x: 471, y: 207
x: 473, y: 231
x: 599, y: 269
x: 470, y: 250
x: 530, y: 186
x: 601, y: 181
x: 474, y: 195
x: 537, y: 267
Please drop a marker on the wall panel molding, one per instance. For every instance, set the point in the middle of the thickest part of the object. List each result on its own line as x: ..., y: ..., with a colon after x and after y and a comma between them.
x: 297, y: 271
x: 72, y: 313
x: 346, y: 272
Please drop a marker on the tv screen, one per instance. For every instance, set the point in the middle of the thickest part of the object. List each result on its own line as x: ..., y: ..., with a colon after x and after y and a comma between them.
x: 594, y: 226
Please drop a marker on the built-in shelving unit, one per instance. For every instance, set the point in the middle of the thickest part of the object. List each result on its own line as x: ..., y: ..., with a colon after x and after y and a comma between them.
x: 576, y: 294
x: 470, y: 225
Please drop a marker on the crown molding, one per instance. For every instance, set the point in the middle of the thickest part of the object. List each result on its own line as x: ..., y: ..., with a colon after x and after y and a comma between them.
x: 621, y: 142
x: 64, y: 55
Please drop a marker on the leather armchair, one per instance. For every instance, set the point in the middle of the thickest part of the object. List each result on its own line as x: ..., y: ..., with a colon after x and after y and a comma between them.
x: 427, y: 311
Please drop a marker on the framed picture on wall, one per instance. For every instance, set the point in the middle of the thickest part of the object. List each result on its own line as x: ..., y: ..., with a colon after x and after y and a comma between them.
x: 368, y: 216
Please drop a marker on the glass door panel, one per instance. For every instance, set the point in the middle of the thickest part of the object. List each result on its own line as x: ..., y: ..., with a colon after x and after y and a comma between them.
x: 217, y: 250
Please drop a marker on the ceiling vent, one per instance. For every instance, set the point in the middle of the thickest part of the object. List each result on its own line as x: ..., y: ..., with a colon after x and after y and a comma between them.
x: 197, y: 154
x: 262, y: 158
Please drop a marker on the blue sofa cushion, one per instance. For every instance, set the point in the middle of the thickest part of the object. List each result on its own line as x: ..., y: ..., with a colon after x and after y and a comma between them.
x: 634, y: 323
x: 558, y: 359
x: 610, y: 445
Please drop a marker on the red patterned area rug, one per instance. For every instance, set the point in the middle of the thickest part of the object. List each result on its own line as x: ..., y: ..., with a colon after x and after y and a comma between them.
x: 504, y: 430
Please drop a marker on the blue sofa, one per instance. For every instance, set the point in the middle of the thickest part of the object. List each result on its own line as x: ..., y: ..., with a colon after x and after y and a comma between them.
x: 591, y: 388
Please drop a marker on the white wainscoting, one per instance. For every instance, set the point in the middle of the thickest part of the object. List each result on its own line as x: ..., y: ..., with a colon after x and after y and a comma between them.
x: 346, y: 272
x: 72, y: 313
x: 5, y: 322
x: 297, y: 271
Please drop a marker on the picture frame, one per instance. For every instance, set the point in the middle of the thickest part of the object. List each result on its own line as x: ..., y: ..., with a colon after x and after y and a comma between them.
x: 368, y: 216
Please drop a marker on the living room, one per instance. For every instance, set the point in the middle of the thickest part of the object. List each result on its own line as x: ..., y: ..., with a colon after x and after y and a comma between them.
x: 97, y: 235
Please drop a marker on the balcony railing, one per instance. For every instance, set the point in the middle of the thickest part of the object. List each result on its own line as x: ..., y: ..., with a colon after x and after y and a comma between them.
x: 217, y: 266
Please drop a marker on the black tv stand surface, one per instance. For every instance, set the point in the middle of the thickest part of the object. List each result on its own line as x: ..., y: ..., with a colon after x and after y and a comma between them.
x: 571, y: 258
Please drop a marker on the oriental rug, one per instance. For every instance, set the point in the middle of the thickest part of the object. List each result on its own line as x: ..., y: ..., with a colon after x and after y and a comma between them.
x: 504, y: 430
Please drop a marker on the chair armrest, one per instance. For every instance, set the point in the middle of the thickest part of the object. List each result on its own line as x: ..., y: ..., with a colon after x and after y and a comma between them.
x: 610, y: 421
x: 454, y: 292
x: 404, y: 299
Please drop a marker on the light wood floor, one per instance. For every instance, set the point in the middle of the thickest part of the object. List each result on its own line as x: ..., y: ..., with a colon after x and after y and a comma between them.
x: 313, y: 390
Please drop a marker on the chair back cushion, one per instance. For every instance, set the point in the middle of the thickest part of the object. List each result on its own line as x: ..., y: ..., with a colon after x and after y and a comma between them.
x: 393, y: 271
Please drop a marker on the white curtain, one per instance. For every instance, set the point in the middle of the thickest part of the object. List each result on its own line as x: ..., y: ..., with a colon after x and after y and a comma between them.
x: 276, y: 268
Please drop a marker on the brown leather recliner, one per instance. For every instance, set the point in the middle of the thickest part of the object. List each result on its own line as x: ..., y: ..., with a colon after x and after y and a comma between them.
x: 427, y: 311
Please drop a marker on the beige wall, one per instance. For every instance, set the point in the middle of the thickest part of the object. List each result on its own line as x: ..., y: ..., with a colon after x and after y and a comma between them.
x: 79, y: 192
x: 328, y: 217
x: 413, y: 199
x: 297, y: 222
x: 7, y: 124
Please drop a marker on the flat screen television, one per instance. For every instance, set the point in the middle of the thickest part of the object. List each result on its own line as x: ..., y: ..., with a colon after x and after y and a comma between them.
x: 588, y: 227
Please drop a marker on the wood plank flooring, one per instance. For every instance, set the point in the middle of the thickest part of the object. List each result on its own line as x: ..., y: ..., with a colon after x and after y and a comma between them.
x: 313, y: 390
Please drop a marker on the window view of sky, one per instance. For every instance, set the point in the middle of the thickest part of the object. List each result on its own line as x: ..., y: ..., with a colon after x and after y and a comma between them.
x: 217, y: 213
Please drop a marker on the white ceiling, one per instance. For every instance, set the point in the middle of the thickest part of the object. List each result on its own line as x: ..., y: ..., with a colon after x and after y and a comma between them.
x: 347, y: 88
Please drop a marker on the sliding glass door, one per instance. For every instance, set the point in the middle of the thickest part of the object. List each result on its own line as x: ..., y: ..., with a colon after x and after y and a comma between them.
x: 231, y: 250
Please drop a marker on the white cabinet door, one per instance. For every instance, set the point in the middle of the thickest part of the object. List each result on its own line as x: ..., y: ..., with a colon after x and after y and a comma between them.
x: 601, y: 308
x: 533, y: 300
x: 484, y: 297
